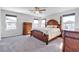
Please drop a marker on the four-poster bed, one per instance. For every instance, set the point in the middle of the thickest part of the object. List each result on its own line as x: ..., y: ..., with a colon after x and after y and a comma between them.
x: 51, y: 32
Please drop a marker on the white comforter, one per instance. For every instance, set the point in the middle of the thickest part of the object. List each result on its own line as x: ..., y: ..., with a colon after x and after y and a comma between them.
x: 51, y: 32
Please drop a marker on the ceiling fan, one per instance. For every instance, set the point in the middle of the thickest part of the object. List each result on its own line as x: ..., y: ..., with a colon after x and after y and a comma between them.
x: 38, y: 10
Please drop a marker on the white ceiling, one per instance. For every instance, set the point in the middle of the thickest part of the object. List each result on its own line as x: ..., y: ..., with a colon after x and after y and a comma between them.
x: 49, y: 10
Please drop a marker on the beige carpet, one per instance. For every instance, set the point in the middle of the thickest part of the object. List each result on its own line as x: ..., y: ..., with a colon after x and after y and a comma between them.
x: 29, y: 44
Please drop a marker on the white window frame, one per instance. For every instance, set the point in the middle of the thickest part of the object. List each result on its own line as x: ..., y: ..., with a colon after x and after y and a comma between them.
x: 9, y: 20
x: 37, y: 23
x: 43, y: 24
x: 71, y: 20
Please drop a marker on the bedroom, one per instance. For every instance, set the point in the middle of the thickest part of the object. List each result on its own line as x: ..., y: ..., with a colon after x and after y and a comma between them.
x: 32, y: 23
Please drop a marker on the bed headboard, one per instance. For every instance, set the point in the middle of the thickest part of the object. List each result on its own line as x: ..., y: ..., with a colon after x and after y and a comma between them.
x: 52, y: 22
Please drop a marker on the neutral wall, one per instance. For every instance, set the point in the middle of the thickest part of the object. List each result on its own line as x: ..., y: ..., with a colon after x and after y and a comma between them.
x: 57, y: 16
x: 20, y: 19
x: 0, y: 23
x: 28, y: 18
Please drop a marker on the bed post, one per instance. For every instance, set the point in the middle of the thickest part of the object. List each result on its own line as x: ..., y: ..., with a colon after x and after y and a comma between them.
x: 61, y: 23
x: 46, y: 42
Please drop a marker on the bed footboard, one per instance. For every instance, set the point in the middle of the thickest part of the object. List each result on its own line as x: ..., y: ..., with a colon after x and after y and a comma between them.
x: 40, y: 35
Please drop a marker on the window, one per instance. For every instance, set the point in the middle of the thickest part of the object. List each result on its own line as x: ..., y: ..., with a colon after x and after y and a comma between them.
x: 36, y: 23
x: 42, y: 23
x: 11, y: 22
x: 69, y: 22
x: 39, y: 22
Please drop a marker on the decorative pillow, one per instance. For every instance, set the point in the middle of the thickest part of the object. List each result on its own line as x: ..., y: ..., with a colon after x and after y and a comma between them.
x: 52, y: 26
x: 49, y: 26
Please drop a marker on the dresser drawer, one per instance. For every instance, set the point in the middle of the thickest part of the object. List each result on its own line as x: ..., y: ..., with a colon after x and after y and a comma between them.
x: 72, y: 34
x: 71, y: 41
x: 67, y: 49
x: 71, y: 44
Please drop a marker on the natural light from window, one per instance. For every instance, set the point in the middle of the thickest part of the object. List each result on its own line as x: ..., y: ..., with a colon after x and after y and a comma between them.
x: 39, y: 23
x: 69, y: 22
x: 42, y: 23
x: 11, y: 22
x: 36, y: 23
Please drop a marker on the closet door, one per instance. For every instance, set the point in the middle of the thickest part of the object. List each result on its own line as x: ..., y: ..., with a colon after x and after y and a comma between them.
x: 27, y: 28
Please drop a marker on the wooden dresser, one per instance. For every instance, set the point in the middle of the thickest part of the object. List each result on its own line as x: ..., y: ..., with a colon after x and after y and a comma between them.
x: 27, y: 27
x: 71, y: 41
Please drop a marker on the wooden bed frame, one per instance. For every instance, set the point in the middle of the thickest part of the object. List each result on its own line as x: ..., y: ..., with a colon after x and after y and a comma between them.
x: 42, y: 36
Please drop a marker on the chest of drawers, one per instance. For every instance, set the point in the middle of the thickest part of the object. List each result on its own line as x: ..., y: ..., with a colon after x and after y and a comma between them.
x: 71, y: 41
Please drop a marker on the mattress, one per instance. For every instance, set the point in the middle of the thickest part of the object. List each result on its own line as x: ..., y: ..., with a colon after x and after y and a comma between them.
x: 51, y: 32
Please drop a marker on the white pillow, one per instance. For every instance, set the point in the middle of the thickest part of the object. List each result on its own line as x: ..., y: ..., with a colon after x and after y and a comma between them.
x: 49, y: 26
x: 52, y: 26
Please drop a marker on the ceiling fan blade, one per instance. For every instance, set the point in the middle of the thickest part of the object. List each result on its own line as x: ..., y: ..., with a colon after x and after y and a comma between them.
x: 36, y: 7
x: 32, y: 10
x: 42, y: 10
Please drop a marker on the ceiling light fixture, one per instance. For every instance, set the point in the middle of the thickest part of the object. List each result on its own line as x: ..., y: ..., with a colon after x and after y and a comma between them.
x: 38, y: 10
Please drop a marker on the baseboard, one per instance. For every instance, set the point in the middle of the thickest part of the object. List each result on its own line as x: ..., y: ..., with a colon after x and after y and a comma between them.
x: 10, y: 36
